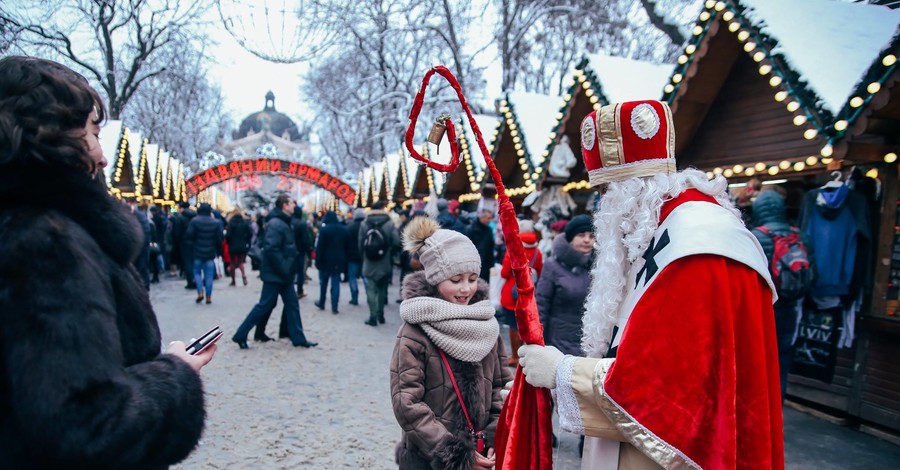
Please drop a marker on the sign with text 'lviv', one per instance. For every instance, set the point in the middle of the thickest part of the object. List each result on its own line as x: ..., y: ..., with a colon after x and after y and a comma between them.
x: 301, y: 171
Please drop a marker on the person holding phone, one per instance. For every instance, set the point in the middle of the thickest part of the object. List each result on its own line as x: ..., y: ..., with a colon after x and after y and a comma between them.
x: 82, y: 381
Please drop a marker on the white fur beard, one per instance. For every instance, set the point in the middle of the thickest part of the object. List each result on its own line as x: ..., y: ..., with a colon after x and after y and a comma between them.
x: 623, y: 227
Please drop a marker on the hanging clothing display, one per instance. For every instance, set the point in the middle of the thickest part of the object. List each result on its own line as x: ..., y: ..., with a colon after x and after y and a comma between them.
x: 836, y: 222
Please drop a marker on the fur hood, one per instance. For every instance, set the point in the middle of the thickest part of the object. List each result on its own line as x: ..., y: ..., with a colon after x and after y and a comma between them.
x: 415, y: 285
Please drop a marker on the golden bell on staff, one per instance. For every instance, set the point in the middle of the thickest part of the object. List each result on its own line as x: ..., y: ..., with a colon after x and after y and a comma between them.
x: 438, y: 129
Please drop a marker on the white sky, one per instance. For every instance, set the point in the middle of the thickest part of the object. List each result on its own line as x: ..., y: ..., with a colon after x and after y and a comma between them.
x: 245, y: 78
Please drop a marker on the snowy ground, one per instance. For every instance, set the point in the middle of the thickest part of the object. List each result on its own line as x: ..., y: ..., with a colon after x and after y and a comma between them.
x: 276, y: 406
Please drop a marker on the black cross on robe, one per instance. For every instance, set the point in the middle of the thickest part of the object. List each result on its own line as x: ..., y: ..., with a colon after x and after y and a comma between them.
x: 650, y: 266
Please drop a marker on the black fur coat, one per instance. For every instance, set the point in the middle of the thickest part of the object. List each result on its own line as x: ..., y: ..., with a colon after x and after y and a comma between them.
x: 82, y: 380
x: 435, y: 434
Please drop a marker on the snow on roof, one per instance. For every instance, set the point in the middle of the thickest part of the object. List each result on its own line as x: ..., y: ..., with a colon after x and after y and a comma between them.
x: 109, y: 142
x: 536, y: 117
x: 134, y: 149
x: 152, y: 155
x: 393, y: 168
x: 366, y: 180
x: 412, y: 171
x: 820, y: 42
x: 486, y: 124
x: 623, y: 79
x: 378, y: 175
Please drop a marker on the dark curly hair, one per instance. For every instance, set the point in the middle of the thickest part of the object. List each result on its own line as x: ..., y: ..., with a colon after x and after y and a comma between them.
x: 43, y: 108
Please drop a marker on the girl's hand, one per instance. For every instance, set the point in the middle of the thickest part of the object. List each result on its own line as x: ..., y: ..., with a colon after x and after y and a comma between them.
x: 484, y: 463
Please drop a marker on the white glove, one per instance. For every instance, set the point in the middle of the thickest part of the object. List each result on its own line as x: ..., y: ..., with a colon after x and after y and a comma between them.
x: 504, y: 392
x: 539, y: 364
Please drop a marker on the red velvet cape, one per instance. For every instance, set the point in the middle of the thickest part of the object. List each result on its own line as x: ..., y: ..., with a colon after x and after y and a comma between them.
x: 697, y: 364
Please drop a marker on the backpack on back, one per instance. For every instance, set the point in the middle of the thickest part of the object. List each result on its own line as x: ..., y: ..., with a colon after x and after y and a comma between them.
x: 790, y: 267
x: 375, y: 246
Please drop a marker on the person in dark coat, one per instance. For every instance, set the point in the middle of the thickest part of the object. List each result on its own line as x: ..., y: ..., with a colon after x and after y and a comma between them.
x: 564, y: 284
x: 332, y: 246
x: 205, y: 234
x: 769, y: 211
x: 378, y: 272
x: 84, y: 384
x: 237, y: 237
x: 185, y: 248
x: 483, y: 237
x: 304, y: 249
x: 279, y: 261
x: 354, y: 257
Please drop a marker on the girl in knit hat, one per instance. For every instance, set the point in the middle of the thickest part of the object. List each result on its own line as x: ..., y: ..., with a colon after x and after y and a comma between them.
x: 446, y: 370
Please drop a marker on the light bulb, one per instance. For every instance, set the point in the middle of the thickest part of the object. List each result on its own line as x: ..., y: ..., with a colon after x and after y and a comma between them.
x: 856, y: 102
x: 799, y: 166
x: 760, y: 166
x: 810, y: 134
x: 890, y: 157
x: 840, y: 125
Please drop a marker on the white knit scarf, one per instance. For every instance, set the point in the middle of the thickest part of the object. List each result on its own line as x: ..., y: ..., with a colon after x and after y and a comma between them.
x: 465, y: 332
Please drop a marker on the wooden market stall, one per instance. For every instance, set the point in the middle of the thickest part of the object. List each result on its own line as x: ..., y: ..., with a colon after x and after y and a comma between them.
x: 520, y: 139
x: 788, y: 94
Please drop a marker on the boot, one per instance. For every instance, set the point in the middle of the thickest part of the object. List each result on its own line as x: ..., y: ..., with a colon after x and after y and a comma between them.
x: 245, y: 280
x: 232, y: 282
x: 515, y: 342
x: 199, y: 297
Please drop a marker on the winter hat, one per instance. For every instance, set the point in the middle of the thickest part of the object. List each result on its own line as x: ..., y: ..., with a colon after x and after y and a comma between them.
x: 527, y: 233
x: 443, y: 253
x: 525, y: 226
x: 359, y: 213
x: 442, y: 204
x: 204, y: 209
x: 559, y: 225
x: 579, y: 224
x: 453, y: 206
x: 628, y: 140
x: 529, y: 239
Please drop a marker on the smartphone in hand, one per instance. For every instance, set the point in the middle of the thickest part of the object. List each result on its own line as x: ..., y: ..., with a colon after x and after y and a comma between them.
x: 200, y: 344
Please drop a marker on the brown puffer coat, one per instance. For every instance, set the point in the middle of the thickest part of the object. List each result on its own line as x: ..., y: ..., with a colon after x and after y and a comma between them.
x: 435, y: 434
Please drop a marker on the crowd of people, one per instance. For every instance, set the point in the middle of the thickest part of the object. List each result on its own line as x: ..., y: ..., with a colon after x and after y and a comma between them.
x: 627, y: 368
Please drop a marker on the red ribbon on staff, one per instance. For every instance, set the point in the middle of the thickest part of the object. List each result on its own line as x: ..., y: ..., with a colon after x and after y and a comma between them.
x: 524, y: 434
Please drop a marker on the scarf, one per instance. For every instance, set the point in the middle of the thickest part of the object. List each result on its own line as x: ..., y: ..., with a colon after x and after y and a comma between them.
x: 465, y: 332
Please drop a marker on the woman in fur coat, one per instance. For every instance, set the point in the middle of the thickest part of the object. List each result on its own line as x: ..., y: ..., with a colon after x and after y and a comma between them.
x: 447, y: 321
x: 82, y: 381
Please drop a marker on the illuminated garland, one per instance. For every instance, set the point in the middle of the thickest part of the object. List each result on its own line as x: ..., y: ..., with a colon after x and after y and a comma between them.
x: 524, y: 159
x: 799, y: 103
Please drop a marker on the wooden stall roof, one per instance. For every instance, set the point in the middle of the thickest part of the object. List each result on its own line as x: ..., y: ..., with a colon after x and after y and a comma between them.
x: 122, y: 182
x: 520, y: 139
x: 169, y: 188
x: 467, y: 179
x: 110, y: 143
x: 770, y: 86
x: 144, y: 186
x: 598, y: 80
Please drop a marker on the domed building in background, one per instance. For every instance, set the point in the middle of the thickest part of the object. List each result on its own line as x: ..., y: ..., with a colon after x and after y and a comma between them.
x: 268, y: 133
